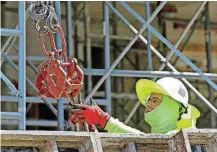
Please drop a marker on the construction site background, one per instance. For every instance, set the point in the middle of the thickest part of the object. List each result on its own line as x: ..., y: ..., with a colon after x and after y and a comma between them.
x: 123, y: 88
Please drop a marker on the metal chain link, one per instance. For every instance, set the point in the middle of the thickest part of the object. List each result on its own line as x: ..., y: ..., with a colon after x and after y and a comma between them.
x: 43, y: 11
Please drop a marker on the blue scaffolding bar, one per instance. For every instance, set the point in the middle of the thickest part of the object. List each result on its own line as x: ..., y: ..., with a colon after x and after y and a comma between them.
x: 50, y: 100
x: 186, y: 30
x: 162, y: 59
x: 69, y: 29
x: 106, y: 73
x: 166, y: 42
x: 29, y: 122
x: 10, y: 32
x: 150, y: 74
x: 60, y: 110
x: 22, y: 65
x: 107, y: 56
x: 148, y: 36
x: 13, y: 89
x: 11, y: 115
x: 130, y: 44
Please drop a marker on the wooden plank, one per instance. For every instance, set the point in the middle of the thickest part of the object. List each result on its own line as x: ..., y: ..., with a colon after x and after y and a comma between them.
x: 122, y: 138
x: 151, y: 147
x: 200, y: 136
x: 44, y: 135
x: 92, y: 141
x: 181, y: 143
x: 212, y: 145
x: 50, y: 146
x: 24, y: 143
x: 96, y: 143
x: 130, y: 147
x: 86, y: 147
x: 171, y: 145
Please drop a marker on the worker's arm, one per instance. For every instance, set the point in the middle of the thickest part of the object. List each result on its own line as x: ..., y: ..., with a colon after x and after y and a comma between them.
x: 115, y: 126
x: 95, y: 115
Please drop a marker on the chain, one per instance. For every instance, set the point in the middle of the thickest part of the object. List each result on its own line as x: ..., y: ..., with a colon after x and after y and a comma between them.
x: 43, y: 11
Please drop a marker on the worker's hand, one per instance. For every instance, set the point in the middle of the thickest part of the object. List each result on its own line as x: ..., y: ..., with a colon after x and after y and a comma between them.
x: 89, y: 114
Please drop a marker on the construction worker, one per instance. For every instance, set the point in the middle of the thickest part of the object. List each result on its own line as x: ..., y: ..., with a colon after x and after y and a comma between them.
x: 166, y: 109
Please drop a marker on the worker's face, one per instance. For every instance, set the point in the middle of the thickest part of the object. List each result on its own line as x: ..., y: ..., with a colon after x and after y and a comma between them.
x: 161, y: 111
x: 155, y: 99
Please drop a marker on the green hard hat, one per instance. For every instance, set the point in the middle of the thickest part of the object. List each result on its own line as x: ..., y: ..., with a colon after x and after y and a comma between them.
x: 144, y: 87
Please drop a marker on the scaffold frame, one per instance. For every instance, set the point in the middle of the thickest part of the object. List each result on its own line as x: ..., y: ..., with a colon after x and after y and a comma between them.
x: 108, y: 71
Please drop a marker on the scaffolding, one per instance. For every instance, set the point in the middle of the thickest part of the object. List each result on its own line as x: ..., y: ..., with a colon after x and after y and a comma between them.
x: 109, y: 71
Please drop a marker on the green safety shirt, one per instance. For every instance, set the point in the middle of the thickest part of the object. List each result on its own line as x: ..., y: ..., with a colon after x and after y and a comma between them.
x: 187, y: 121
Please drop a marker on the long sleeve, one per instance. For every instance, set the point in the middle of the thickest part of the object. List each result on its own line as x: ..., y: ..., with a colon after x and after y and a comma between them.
x: 115, y: 126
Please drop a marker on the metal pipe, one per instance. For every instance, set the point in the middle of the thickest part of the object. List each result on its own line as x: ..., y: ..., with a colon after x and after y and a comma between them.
x: 12, y: 88
x: 106, y: 34
x: 7, y: 43
x: 50, y: 100
x: 22, y: 65
x: 115, y: 50
x: 33, y: 58
x: 150, y: 74
x: 87, y: 44
x: 60, y: 110
x: 162, y: 59
x: 60, y: 114
x: 30, y: 122
x: 116, y: 37
x: 169, y: 56
x: 130, y: 96
x: 148, y: 36
x: 124, y: 52
x: 11, y: 115
x: 11, y: 39
x: 132, y: 112
x: 166, y: 42
x: 51, y: 107
x: 6, y: 49
x: 184, y: 21
x: 209, y: 59
x: 34, y: 68
x: 10, y: 32
x: 69, y: 28
x: 58, y: 12
x: 77, y: 15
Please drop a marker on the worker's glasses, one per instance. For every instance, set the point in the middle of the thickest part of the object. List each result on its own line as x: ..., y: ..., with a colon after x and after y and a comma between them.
x: 154, y: 99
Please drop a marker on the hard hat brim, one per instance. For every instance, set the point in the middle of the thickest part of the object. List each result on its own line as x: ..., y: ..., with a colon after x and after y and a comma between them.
x: 144, y: 87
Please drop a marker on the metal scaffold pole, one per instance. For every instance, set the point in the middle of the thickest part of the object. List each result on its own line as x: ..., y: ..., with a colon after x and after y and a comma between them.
x: 60, y: 102
x: 183, y: 34
x: 70, y: 51
x: 22, y: 65
x: 87, y: 44
x: 209, y: 59
x: 159, y: 55
x: 167, y: 43
x: 148, y: 37
x: 106, y: 34
x: 130, y: 44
